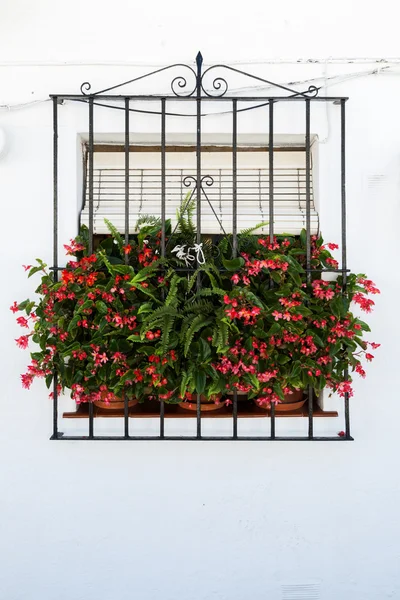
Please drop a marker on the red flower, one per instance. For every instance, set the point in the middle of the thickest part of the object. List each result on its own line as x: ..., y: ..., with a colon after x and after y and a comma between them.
x: 22, y: 342
x: 14, y: 307
x: 369, y: 356
x: 27, y: 267
x: 341, y: 434
x: 22, y: 321
x: 127, y: 249
x: 27, y: 379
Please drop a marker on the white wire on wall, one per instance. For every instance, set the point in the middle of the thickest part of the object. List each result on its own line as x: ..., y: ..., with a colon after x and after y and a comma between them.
x: 323, y: 81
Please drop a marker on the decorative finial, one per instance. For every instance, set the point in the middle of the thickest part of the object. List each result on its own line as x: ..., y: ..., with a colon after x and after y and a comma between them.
x: 199, y: 60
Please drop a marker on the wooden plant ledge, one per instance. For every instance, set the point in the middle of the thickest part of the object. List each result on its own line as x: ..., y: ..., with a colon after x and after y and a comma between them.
x: 151, y: 409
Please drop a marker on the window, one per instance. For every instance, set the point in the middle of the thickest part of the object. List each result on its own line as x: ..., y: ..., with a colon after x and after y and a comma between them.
x: 236, y: 180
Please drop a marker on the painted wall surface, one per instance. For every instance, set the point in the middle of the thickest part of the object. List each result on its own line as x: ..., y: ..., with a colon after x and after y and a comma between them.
x: 198, y: 521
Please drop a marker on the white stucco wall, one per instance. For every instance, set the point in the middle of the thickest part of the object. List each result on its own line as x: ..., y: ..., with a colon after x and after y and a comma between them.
x: 198, y: 521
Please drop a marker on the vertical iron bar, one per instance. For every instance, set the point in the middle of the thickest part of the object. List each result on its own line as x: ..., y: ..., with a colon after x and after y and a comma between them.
x: 308, y: 238
x: 126, y: 176
x: 234, y: 232
x: 271, y: 171
x: 91, y: 151
x: 235, y: 415
x: 344, y: 244
x: 199, y: 62
x: 55, y: 244
x: 163, y: 104
x: 234, y: 177
x: 271, y: 213
x: 126, y: 150
x: 126, y: 416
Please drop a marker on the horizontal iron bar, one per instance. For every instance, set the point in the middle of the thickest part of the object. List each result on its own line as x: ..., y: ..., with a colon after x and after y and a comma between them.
x: 203, y: 98
x: 100, y: 438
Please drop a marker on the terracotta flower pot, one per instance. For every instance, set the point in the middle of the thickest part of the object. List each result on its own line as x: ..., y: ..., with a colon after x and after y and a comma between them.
x: 206, y: 404
x: 116, y: 404
x: 290, y: 402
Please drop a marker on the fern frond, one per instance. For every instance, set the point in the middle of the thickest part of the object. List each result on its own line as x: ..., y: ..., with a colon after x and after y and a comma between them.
x: 198, y: 323
x: 166, y: 328
x: 251, y: 230
x: 159, y: 313
x: 106, y: 262
x: 148, y: 220
x: 199, y: 306
x: 172, y: 298
x: 212, y: 292
x: 115, y: 233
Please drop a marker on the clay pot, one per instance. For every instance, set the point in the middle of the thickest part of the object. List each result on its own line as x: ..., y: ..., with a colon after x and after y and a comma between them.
x: 206, y: 405
x: 116, y: 404
x: 241, y: 396
x: 290, y: 402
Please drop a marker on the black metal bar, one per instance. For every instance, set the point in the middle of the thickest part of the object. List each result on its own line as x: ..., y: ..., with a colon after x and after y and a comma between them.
x: 308, y: 252
x: 91, y: 157
x: 162, y: 420
x: 235, y: 415
x: 344, y: 243
x: 226, y: 98
x: 271, y: 172
x: 126, y: 415
x: 55, y: 242
x: 198, y: 417
x: 199, y: 62
x: 163, y: 177
x: 271, y: 217
x: 234, y: 178
x: 127, y: 157
x: 273, y: 421
x: 178, y: 438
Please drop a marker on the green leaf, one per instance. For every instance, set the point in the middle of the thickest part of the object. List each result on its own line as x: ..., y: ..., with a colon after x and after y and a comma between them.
x: 303, y: 238
x: 146, y: 307
x: 101, y: 307
x: 200, y: 381
x: 283, y: 359
x: 274, y: 329
x: 233, y: 265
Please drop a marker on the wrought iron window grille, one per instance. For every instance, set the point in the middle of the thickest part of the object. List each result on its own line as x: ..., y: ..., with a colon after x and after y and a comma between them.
x: 198, y: 88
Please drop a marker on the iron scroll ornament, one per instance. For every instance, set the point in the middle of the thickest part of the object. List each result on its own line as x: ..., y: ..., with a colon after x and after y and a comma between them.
x: 180, y: 86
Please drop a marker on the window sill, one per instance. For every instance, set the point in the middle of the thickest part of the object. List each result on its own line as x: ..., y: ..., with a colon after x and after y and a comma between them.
x: 151, y: 410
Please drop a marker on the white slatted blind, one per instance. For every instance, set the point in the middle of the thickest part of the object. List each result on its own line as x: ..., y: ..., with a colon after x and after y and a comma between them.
x: 252, y: 192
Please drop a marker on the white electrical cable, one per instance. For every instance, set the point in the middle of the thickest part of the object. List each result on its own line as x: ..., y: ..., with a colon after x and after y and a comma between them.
x: 326, y: 81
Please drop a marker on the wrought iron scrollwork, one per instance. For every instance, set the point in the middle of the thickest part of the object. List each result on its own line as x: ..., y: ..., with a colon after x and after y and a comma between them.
x: 181, y: 87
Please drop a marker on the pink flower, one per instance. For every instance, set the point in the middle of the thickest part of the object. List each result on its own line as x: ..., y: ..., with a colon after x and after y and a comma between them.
x: 22, y: 342
x: 277, y: 315
x: 235, y: 278
x: 27, y: 379
x: 14, y: 307
x: 374, y: 345
x: 23, y: 322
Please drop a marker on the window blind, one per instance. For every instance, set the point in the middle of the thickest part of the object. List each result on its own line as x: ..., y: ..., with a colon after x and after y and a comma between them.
x: 289, y: 185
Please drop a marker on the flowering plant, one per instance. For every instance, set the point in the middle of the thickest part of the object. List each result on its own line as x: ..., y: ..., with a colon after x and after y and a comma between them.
x: 288, y: 328
x: 124, y: 321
